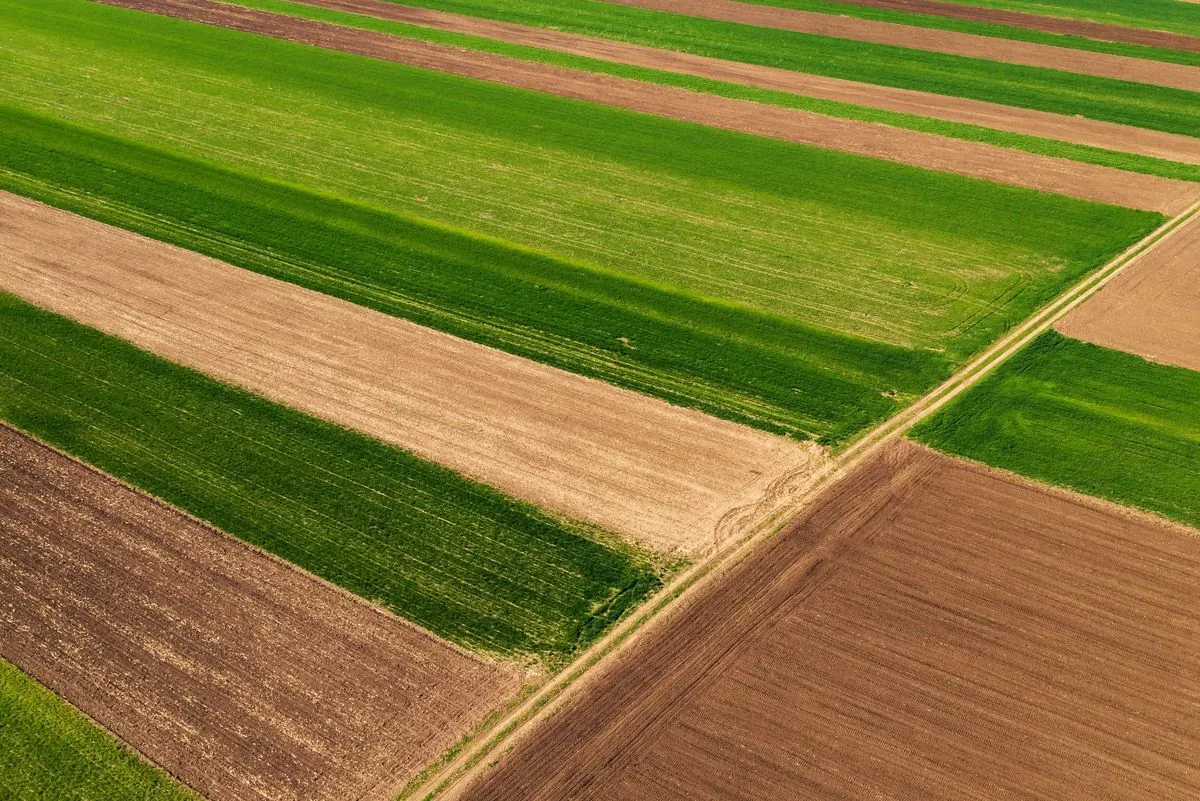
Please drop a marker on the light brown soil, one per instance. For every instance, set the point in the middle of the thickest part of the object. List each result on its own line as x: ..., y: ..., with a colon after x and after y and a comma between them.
x: 240, y: 675
x: 1093, y: 133
x: 1084, y: 62
x: 908, y: 147
x: 671, y: 478
x: 1153, y: 308
x: 1037, y: 22
x: 930, y: 629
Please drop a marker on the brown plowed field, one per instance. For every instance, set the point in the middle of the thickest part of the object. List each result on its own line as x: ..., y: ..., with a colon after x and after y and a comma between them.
x: 908, y: 147
x: 1093, y: 133
x: 1151, y: 309
x: 1037, y: 22
x: 669, y: 477
x: 240, y: 675
x: 1085, y: 62
x: 930, y: 629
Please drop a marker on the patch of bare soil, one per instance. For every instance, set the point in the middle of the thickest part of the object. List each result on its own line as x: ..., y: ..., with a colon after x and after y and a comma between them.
x: 1152, y: 308
x: 929, y: 629
x: 238, y: 674
x: 1093, y: 133
x: 1030, y: 54
x: 668, y: 477
x: 1066, y: 177
x: 1038, y: 22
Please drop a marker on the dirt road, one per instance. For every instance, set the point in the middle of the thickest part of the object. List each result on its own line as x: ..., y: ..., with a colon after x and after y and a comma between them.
x: 1084, y: 62
x: 930, y: 629
x: 908, y: 147
x: 1152, y: 309
x: 668, y: 477
x: 1093, y: 133
x: 240, y: 675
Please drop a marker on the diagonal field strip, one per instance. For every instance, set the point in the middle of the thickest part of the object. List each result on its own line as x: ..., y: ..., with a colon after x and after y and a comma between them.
x: 914, y: 148
x: 671, y: 478
x: 1102, y: 65
x: 452, y: 778
x: 1013, y: 119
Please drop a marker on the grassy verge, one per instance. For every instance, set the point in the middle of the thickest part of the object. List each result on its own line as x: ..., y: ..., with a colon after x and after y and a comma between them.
x: 1073, y: 414
x: 994, y: 30
x: 453, y: 556
x: 1173, y: 16
x: 1144, y: 106
x: 49, y: 750
x: 973, y: 133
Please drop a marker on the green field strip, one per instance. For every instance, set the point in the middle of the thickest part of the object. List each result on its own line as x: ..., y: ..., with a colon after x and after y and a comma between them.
x: 774, y: 226
x: 994, y: 30
x: 458, y: 558
x: 1076, y: 415
x: 1172, y: 16
x: 1140, y: 105
x: 50, y: 750
x: 973, y: 133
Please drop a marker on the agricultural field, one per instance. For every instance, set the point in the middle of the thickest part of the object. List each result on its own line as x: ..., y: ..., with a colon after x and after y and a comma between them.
x: 708, y: 302
x: 239, y: 675
x: 613, y: 399
x: 49, y: 750
x: 1077, y: 415
x: 930, y: 629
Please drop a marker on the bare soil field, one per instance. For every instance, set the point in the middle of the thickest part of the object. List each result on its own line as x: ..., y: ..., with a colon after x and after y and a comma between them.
x: 241, y: 676
x: 929, y: 629
x: 1030, y: 54
x: 1094, y: 133
x: 1153, y: 308
x: 929, y: 151
x: 671, y: 478
x: 1037, y: 22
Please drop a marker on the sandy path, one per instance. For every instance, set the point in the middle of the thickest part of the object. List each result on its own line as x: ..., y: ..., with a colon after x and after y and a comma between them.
x: 1066, y: 177
x: 1094, y: 133
x: 1152, y: 309
x: 1037, y: 22
x: 664, y: 476
x: 1085, y: 62
x: 240, y: 675
x: 929, y: 629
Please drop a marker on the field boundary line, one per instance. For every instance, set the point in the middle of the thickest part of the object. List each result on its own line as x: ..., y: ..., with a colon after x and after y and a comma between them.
x: 450, y: 780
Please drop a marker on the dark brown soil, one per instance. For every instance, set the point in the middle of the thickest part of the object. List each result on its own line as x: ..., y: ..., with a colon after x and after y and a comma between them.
x: 240, y: 675
x: 931, y: 629
x: 908, y: 147
x: 1037, y: 22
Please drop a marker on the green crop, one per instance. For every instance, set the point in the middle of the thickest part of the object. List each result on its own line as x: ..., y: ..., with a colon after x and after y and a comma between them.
x: 1100, y: 421
x: 1172, y: 16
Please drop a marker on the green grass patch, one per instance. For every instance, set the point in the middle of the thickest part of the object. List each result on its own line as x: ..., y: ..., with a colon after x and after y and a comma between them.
x: 50, y: 750
x: 1031, y: 144
x: 994, y: 30
x: 454, y: 556
x: 1144, y: 106
x: 1076, y: 415
x: 1172, y: 16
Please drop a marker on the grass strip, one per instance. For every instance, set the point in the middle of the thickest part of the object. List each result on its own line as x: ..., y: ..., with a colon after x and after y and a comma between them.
x: 1140, y: 105
x: 458, y: 558
x: 1173, y: 16
x: 1073, y: 414
x: 50, y: 750
x: 994, y: 30
x: 972, y: 133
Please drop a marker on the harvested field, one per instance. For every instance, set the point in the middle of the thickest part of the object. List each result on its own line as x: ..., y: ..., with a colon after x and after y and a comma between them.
x: 1063, y: 176
x: 1153, y: 308
x: 670, y: 478
x: 238, y: 674
x: 931, y: 629
x: 1091, y: 133
x: 1038, y: 22
x: 1082, y: 62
